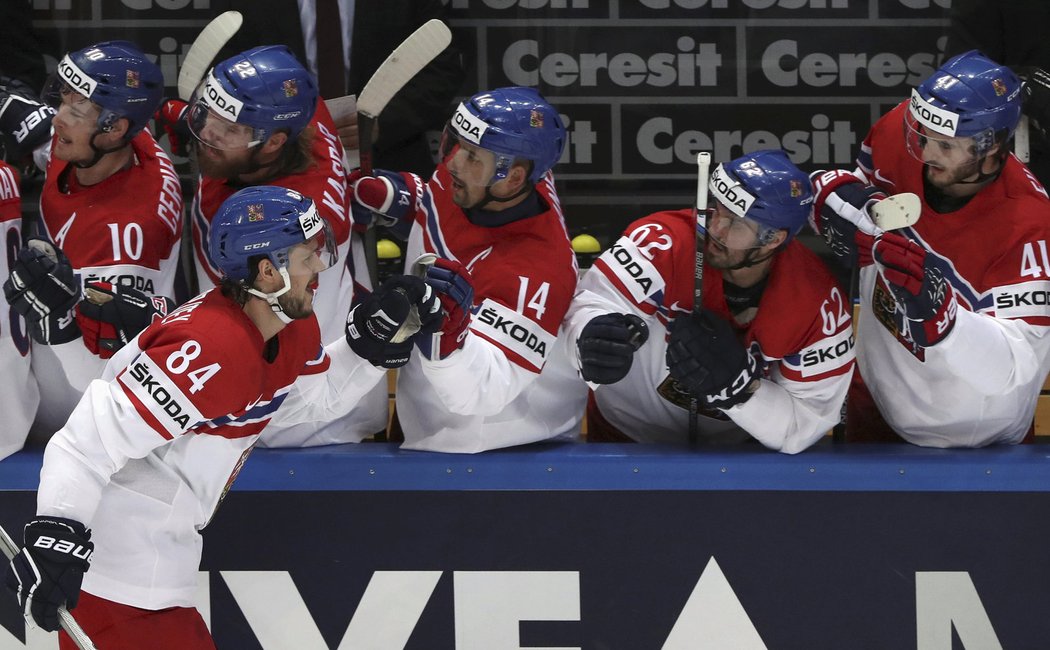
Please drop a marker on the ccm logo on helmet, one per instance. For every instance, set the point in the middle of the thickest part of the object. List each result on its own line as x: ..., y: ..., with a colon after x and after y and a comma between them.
x: 75, y: 77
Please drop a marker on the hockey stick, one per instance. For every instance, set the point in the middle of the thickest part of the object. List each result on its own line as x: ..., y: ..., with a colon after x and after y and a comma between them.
x: 1022, y: 147
x: 703, y: 164
x: 406, y: 61
x: 897, y: 211
x: 69, y: 624
x: 198, y: 59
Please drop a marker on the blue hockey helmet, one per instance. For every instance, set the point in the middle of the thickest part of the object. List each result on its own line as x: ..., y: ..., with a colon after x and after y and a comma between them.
x: 116, y: 76
x: 264, y: 88
x: 766, y: 188
x: 266, y: 220
x: 970, y: 96
x: 514, y: 123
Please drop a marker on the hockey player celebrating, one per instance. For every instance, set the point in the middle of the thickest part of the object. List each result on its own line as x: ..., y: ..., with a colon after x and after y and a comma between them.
x: 952, y: 338
x: 497, y: 373
x: 151, y: 450
x: 769, y: 357
x: 111, y: 213
x: 257, y: 119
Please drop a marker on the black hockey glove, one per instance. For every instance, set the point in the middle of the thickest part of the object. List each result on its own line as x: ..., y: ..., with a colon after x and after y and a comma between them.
x: 1036, y: 98
x: 382, y: 327
x: 43, y: 288
x: 922, y: 293
x: 841, y: 202
x: 607, y: 346
x: 23, y: 117
x: 46, y: 574
x: 111, y: 316
x: 705, y: 358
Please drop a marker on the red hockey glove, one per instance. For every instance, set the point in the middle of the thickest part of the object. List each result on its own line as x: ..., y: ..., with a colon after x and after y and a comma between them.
x: 607, y: 345
x: 384, y: 197
x: 453, y: 285
x: 924, y: 296
x: 841, y: 203
x: 171, y: 119
x: 111, y: 316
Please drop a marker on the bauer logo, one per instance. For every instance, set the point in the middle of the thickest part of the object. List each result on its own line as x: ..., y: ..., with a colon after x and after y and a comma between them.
x: 617, y: 61
x: 514, y: 332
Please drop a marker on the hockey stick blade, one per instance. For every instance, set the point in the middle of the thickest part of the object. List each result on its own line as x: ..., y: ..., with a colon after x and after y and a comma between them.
x: 69, y: 624
x: 211, y: 39
x: 414, y: 53
x: 897, y: 211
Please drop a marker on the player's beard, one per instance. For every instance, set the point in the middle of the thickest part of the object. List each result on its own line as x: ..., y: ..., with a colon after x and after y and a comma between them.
x: 943, y: 178
x: 299, y: 306
x: 718, y: 256
x: 221, y: 165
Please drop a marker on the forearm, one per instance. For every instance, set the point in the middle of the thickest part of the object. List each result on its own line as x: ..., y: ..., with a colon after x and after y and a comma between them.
x: 330, y: 394
x: 791, y: 421
x: 992, y: 355
x: 478, y: 379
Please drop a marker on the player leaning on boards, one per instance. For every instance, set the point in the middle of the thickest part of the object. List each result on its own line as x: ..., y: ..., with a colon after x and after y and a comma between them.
x: 497, y: 374
x: 257, y: 119
x: 771, y: 354
x: 151, y: 450
x: 952, y: 336
x: 111, y: 213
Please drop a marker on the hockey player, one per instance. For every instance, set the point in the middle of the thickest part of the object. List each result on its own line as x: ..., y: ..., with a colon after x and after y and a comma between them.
x: 952, y: 338
x: 153, y: 447
x: 19, y: 399
x: 257, y: 119
x: 497, y: 374
x: 770, y: 356
x: 111, y: 218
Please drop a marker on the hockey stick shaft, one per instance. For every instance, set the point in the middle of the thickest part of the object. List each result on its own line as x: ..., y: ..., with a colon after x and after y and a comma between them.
x: 1022, y: 145
x: 703, y: 165
x: 69, y: 624
x: 408, y: 59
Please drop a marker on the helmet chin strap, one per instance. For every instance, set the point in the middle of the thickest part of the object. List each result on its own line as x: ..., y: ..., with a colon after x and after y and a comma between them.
x: 98, y: 152
x: 271, y: 298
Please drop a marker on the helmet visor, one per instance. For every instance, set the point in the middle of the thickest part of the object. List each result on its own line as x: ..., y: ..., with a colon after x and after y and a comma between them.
x: 472, y: 164
x: 210, y: 113
x: 733, y: 231
x: 932, y: 148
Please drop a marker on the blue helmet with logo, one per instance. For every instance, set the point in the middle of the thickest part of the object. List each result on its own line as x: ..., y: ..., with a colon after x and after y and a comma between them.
x: 767, y: 188
x: 116, y: 76
x: 970, y: 96
x: 265, y: 88
x: 265, y: 220
x: 513, y: 123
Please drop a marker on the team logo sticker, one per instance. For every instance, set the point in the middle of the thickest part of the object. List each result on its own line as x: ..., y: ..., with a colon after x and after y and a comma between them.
x: 131, y: 79
x: 255, y: 212
x: 291, y: 89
